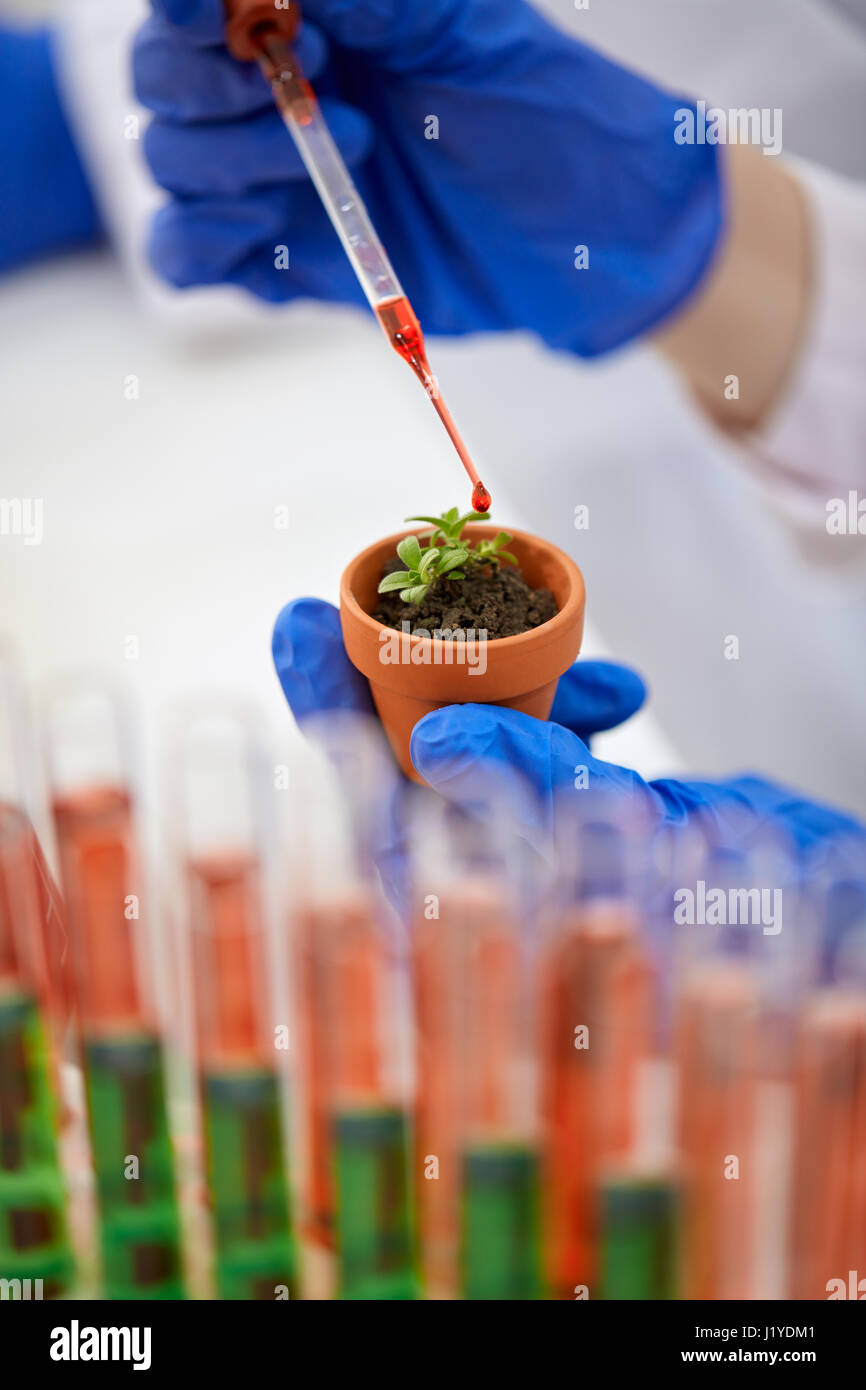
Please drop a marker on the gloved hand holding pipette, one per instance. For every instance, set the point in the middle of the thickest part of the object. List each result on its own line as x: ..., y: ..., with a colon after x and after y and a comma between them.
x: 518, y: 179
x: 484, y: 756
x: 486, y: 143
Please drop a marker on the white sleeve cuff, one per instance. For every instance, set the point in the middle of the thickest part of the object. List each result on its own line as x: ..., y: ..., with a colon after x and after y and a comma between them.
x: 813, y: 449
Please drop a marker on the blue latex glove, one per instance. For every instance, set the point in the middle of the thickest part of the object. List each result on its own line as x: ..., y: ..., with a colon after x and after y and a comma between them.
x: 478, y: 756
x: 45, y: 202
x: 543, y: 146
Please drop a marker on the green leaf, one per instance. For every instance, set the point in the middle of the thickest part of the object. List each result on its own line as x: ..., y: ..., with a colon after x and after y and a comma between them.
x: 429, y: 556
x: 433, y: 520
x: 451, y: 515
x: 451, y: 560
x: 410, y: 552
x: 456, y: 574
x: 472, y: 516
x: 502, y: 538
x: 397, y: 580
x: 415, y: 594
x: 507, y: 555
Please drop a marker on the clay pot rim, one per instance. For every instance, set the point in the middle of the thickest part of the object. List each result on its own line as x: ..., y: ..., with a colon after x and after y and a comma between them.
x: 544, y: 632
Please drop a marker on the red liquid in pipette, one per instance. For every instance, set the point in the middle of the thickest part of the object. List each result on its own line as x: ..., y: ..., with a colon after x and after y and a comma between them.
x: 403, y: 331
x: 296, y: 99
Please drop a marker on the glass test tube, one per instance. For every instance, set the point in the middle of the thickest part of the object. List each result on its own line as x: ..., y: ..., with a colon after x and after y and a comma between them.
x: 477, y: 1130
x: 500, y: 1160
x: 349, y: 991
x: 368, y: 1111
x: 828, y: 1198
x: 596, y: 1033
x: 19, y: 790
x: 222, y: 800
x: 477, y: 1143
x: 438, y: 1094
x: 122, y: 1052
x: 716, y: 1038
x: 33, y: 1237
x: 35, y: 1255
x: 311, y: 934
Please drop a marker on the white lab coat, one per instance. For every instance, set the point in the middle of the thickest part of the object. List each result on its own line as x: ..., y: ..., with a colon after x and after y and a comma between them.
x: 708, y: 563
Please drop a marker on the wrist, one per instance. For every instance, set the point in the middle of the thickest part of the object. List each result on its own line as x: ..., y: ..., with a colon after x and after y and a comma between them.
x: 748, y: 320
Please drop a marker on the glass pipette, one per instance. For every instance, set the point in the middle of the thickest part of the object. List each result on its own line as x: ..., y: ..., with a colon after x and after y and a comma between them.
x: 255, y: 30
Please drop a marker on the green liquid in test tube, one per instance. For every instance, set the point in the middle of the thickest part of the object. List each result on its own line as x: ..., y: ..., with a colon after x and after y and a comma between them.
x: 34, y: 1244
x: 501, y: 1223
x: 639, y: 1238
x: 255, y: 1254
x: 132, y: 1154
x: 373, y: 1227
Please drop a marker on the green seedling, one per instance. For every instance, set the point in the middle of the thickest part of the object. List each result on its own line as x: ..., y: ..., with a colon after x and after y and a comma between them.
x: 493, y: 552
x: 446, y: 555
x: 422, y: 568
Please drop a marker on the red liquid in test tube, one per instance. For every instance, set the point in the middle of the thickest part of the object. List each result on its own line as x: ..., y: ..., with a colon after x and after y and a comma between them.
x: 99, y: 872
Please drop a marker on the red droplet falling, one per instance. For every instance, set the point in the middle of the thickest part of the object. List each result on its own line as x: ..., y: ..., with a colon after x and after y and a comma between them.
x: 480, y: 498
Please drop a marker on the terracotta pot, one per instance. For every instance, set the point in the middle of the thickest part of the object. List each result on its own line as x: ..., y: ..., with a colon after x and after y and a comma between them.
x: 410, y: 676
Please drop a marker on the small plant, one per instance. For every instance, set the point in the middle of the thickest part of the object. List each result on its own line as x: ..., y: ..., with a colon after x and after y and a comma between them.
x: 492, y: 552
x: 449, y: 526
x: 446, y: 555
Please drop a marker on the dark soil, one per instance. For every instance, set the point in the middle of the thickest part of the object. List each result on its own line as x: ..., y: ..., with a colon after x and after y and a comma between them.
x: 499, y: 602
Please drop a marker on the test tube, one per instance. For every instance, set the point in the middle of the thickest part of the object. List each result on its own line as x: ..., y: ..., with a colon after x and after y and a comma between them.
x: 107, y: 920
x: 356, y: 1019
x: 35, y: 1255
x: 478, y: 1139
x: 438, y: 1094
x: 368, y: 1111
x: 716, y: 1058
x: 828, y: 1198
x: 316, y: 1216
x: 21, y: 788
x: 596, y: 1033
x: 221, y: 798
x: 501, y: 1162
x: 479, y: 1206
